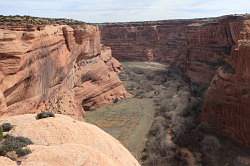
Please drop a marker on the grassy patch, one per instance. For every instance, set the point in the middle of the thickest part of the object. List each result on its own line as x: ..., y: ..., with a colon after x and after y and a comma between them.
x: 129, y: 121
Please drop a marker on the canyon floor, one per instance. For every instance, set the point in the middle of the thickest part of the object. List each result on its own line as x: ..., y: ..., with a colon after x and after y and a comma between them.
x: 130, y: 120
x: 135, y: 120
x: 162, y: 102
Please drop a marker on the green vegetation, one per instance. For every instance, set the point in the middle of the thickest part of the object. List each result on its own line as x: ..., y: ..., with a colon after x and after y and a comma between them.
x: 11, y: 146
x: 16, y: 144
x: 6, y: 127
x: 28, y: 20
x: 23, y: 151
x: 43, y: 115
x: 1, y: 134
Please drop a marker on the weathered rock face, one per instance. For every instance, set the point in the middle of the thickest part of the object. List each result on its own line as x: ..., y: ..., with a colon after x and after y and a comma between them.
x: 63, y: 141
x: 99, y: 82
x: 196, y: 46
x: 227, y: 101
x: 57, y: 68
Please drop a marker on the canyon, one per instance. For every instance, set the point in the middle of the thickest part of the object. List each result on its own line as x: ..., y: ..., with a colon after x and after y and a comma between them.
x: 169, y: 91
x: 196, y: 46
x: 201, y: 50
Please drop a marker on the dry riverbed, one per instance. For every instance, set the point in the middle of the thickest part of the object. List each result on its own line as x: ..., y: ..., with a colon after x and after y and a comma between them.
x: 130, y: 120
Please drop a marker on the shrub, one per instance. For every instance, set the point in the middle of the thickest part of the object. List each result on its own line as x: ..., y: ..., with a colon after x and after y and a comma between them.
x: 150, y: 76
x: 164, y: 109
x: 23, y: 152
x: 210, y: 144
x: 43, y: 115
x: 6, y: 127
x: 182, y: 127
x: 198, y: 90
x: 90, y: 76
x: 116, y: 100
x: 138, y: 71
x: 205, y: 127
x: 147, y: 87
x: 228, y: 68
x: 193, y: 109
x: 1, y: 133
x: 11, y: 143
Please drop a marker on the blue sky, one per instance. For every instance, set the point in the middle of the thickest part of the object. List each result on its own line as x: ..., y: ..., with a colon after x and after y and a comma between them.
x: 124, y: 10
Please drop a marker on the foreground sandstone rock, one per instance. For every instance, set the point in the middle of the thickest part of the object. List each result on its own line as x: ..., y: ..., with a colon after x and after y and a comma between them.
x: 7, y: 161
x: 64, y: 141
x: 57, y: 68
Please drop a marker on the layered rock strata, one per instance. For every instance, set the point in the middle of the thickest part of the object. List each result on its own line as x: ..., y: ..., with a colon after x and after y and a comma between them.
x: 57, y: 68
x: 196, y: 46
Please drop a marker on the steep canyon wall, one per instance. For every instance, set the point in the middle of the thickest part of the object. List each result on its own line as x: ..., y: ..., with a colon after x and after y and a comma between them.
x: 197, y: 46
x: 58, y: 68
x: 227, y: 100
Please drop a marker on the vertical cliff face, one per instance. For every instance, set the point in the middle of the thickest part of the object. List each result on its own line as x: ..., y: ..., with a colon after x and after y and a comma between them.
x: 215, y: 49
x: 227, y: 100
x: 196, y: 46
x: 56, y: 68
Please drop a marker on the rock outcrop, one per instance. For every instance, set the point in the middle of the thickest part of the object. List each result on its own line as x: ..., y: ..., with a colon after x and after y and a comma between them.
x: 57, y: 68
x: 227, y: 100
x: 63, y: 141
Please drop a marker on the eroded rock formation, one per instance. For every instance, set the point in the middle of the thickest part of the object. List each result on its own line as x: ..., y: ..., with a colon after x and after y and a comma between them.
x: 57, y: 68
x: 63, y: 141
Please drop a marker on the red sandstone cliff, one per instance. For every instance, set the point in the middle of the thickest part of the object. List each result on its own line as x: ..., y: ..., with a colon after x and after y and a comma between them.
x: 227, y: 100
x: 196, y: 46
x: 56, y: 68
